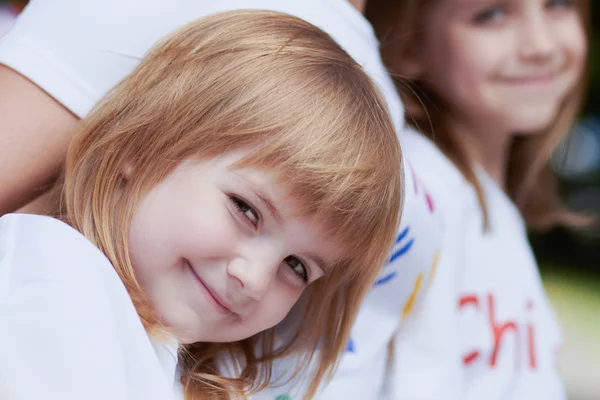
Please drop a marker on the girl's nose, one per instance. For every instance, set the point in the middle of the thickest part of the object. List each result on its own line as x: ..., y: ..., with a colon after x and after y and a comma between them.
x: 255, y: 273
x: 537, y: 39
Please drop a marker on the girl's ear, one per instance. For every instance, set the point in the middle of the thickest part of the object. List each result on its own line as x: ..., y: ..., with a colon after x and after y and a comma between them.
x: 128, y: 171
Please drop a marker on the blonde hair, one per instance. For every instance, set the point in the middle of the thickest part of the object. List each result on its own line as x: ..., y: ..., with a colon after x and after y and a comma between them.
x: 283, y: 88
x: 530, y: 182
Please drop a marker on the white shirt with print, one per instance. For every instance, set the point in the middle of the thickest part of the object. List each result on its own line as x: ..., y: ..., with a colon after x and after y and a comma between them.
x: 486, y: 329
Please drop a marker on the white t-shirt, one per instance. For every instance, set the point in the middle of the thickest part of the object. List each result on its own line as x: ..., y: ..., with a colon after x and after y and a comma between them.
x: 76, y: 50
x: 486, y: 329
x: 69, y: 329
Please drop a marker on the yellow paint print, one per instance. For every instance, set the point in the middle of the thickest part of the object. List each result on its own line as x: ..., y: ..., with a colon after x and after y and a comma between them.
x: 413, y: 296
x: 433, y: 269
x: 417, y: 287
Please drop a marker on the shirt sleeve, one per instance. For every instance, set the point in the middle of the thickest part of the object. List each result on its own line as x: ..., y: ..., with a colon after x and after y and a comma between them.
x: 77, y: 50
x: 55, y: 341
x: 66, y: 326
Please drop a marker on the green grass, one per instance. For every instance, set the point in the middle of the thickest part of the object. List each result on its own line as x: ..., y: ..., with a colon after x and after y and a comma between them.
x: 580, y: 292
x: 576, y: 300
x: 576, y: 296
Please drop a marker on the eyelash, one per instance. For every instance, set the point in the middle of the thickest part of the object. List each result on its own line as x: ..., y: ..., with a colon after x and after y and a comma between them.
x: 305, y: 274
x: 488, y: 14
x: 242, y: 207
x: 565, y: 3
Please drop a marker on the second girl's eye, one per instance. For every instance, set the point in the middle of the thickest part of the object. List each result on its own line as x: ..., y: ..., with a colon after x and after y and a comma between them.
x: 246, y: 210
x: 561, y: 4
x: 490, y: 15
x: 298, y: 268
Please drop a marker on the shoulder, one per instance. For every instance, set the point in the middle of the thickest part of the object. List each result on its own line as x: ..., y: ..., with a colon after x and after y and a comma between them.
x: 62, y: 305
x: 436, y: 196
x: 429, y: 166
x: 65, y: 48
x: 428, y: 161
x: 34, y: 226
x: 44, y: 249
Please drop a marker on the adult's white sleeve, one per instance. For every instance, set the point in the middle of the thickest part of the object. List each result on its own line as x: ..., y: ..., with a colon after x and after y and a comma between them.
x: 76, y: 50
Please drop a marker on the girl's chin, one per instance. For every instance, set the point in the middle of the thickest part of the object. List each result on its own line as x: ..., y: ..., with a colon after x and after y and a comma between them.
x: 534, y: 123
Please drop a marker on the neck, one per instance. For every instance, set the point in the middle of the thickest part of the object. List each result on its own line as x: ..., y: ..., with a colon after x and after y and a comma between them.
x: 487, y: 146
x: 359, y: 5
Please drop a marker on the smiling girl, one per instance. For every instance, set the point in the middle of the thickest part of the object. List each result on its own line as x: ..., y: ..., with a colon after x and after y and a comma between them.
x: 494, y: 85
x: 230, y: 177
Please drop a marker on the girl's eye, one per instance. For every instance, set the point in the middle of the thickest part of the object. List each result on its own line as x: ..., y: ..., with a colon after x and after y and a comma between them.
x: 298, y: 267
x: 246, y: 210
x: 490, y: 15
x: 561, y: 4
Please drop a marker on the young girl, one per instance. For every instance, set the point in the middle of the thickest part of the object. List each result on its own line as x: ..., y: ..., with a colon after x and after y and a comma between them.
x: 495, y: 85
x: 62, y: 56
x: 247, y: 163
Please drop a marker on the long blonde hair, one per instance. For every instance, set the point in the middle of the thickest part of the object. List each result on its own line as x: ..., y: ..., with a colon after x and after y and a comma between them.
x: 264, y: 81
x: 530, y: 182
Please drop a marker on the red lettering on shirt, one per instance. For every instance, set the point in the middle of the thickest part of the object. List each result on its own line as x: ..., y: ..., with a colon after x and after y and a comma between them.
x: 499, y: 331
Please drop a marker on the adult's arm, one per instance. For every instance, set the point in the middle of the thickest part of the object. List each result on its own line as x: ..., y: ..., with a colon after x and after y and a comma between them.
x: 57, y: 61
x: 35, y: 131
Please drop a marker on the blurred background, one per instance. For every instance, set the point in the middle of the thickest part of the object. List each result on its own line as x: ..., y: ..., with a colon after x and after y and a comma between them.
x: 569, y: 261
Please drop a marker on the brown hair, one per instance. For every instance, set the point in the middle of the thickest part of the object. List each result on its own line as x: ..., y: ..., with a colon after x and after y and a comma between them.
x: 530, y: 182
x: 275, y: 84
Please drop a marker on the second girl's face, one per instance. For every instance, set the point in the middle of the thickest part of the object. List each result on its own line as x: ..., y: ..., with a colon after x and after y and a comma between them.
x: 509, y: 63
x: 220, y: 251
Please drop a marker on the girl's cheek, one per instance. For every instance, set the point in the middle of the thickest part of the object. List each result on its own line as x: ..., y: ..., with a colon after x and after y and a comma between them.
x: 287, y: 295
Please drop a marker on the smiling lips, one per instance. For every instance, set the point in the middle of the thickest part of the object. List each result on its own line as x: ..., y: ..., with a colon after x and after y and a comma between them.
x: 216, y: 298
x: 531, y: 80
x: 537, y: 79
x: 212, y: 296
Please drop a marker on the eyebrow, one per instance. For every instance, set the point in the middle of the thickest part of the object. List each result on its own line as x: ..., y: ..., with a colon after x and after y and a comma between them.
x: 268, y: 204
x: 467, y: 5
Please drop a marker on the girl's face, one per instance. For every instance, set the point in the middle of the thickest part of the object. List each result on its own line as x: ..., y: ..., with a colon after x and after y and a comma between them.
x: 502, y: 63
x: 220, y: 251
